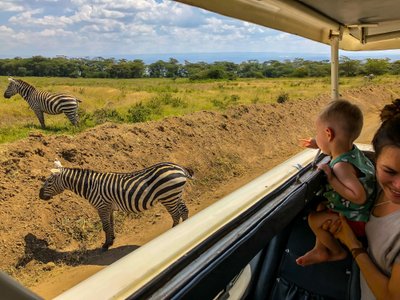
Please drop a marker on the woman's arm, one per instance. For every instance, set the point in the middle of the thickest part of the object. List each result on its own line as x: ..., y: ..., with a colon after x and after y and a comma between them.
x: 382, y: 287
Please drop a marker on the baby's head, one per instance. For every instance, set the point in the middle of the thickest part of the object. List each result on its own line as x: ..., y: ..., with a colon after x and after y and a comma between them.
x: 341, y: 120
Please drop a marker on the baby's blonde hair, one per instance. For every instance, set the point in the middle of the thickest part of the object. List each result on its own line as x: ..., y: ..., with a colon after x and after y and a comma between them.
x: 343, y: 116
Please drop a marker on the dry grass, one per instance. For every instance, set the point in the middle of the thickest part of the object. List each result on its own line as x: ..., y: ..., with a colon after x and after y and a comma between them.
x: 167, y: 97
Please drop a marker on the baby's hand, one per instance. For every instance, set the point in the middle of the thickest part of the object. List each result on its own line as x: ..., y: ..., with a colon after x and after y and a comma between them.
x: 327, y: 170
x: 308, y: 143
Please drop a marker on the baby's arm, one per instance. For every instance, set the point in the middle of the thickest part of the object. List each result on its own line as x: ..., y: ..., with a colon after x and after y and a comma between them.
x: 308, y: 143
x: 343, y: 179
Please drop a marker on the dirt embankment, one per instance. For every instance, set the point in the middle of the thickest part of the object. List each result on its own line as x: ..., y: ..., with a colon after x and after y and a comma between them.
x: 51, y: 246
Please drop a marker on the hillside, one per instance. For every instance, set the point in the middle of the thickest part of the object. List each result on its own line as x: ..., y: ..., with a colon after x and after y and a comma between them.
x: 51, y: 246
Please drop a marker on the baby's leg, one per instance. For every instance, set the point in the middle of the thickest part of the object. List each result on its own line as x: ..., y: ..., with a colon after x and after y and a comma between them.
x: 326, y: 248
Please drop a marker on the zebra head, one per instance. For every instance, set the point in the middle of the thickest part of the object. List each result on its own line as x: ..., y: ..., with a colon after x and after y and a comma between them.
x: 53, y: 185
x: 12, y: 88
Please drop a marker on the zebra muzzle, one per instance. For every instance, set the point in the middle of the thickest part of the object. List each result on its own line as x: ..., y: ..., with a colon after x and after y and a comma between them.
x: 43, y: 196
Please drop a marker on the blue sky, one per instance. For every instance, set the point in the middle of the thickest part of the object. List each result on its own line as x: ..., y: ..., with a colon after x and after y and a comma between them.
x: 78, y: 28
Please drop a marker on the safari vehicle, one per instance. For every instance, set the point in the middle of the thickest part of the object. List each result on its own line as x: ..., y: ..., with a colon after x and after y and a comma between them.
x: 245, y: 245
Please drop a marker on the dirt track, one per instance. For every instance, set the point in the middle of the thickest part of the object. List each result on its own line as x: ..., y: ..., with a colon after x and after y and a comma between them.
x: 51, y: 246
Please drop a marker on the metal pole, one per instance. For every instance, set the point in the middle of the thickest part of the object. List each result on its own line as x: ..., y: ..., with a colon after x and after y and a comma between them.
x: 335, y: 66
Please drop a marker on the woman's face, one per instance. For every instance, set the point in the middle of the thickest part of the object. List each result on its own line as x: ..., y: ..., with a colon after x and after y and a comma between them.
x: 388, y: 172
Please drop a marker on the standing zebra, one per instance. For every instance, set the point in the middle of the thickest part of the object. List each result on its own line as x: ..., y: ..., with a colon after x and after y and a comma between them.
x: 44, y: 102
x: 129, y: 192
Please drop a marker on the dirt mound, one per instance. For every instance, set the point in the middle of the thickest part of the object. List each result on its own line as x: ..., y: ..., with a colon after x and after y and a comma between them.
x: 41, y: 241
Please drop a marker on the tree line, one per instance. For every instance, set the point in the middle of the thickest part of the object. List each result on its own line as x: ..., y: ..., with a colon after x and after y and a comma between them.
x: 100, y: 67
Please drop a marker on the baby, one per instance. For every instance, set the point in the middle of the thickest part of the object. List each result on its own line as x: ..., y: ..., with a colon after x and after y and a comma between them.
x: 351, y: 178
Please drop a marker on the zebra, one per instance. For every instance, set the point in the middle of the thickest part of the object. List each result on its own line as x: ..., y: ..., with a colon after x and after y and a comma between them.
x: 129, y: 192
x: 44, y: 102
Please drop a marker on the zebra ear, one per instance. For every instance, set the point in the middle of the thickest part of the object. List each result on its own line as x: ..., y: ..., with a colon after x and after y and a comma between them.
x: 58, y: 164
x: 11, y: 79
x: 55, y: 171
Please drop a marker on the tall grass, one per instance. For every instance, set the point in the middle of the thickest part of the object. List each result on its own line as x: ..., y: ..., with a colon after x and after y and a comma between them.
x: 138, y: 100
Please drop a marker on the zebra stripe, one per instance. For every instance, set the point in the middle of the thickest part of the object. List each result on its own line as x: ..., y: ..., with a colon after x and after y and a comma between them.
x: 129, y: 192
x: 44, y: 102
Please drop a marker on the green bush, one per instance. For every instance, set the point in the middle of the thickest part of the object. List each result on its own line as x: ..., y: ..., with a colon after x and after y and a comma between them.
x: 282, y: 97
x: 168, y: 99
x: 138, y: 113
x: 227, y: 101
x: 103, y: 115
x: 85, y: 118
x: 155, y: 105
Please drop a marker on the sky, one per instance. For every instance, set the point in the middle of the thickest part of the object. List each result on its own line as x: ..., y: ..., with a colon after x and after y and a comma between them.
x: 109, y: 28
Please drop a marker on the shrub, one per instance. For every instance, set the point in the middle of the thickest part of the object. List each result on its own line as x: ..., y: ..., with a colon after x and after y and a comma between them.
x: 227, y: 101
x: 85, y: 118
x: 155, y: 106
x: 138, y: 113
x: 104, y: 115
x: 282, y: 97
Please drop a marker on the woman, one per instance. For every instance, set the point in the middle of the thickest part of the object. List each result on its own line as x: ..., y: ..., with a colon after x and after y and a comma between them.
x: 380, y: 266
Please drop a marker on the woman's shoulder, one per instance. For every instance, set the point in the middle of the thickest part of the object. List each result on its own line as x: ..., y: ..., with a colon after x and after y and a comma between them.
x: 391, y: 217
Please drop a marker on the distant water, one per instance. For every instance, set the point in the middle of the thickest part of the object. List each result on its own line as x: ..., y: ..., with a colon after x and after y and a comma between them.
x: 238, y: 57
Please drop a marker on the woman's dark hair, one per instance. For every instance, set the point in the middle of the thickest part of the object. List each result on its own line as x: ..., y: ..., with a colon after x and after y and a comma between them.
x: 388, y: 133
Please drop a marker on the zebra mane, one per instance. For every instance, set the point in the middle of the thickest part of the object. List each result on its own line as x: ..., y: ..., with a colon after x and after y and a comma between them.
x: 20, y: 82
x: 130, y: 173
x: 83, y: 170
x: 90, y: 171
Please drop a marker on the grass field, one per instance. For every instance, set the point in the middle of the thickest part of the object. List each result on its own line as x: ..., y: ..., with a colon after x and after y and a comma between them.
x: 138, y: 100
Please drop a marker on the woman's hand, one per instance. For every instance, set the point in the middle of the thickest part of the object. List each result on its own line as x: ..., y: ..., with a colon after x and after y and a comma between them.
x: 341, y: 230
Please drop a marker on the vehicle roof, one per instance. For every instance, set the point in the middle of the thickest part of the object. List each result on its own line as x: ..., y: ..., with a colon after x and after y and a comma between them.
x: 362, y: 24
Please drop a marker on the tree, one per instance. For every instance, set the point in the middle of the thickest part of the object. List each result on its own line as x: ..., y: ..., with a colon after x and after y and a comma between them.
x: 349, y: 67
x: 250, y: 69
x: 137, y: 68
x: 194, y: 69
x: 275, y: 68
x: 395, y: 67
x: 376, y: 66
x: 172, y: 68
x: 157, y: 69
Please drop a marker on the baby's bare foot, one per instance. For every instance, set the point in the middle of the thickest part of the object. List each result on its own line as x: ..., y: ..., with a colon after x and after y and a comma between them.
x: 319, y: 255
x: 314, y: 256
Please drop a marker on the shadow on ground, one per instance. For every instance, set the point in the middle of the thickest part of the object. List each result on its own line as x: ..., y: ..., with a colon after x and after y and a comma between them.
x: 38, y: 249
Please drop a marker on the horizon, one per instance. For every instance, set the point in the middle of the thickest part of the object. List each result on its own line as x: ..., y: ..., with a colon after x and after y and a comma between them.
x: 231, y: 56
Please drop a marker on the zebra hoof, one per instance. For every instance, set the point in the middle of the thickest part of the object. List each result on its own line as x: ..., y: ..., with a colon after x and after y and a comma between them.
x: 106, y: 245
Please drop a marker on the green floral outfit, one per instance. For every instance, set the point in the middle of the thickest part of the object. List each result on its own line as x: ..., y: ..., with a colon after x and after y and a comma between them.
x: 337, y: 203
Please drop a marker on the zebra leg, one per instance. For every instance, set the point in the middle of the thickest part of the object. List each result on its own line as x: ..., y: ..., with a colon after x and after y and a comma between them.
x: 183, y: 210
x: 106, y: 218
x: 112, y: 224
x: 174, y: 210
x: 40, y: 116
x: 73, y: 117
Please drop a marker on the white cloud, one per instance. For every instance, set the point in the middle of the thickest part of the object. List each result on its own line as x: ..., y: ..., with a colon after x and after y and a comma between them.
x: 6, y: 30
x: 10, y: 6
x: 99, y: 27
x: 54, y: 33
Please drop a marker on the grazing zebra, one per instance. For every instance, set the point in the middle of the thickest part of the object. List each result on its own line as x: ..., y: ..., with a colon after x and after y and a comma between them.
x: 44, y: 102
x: 129, y: 192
